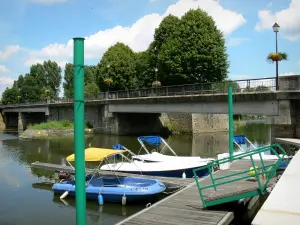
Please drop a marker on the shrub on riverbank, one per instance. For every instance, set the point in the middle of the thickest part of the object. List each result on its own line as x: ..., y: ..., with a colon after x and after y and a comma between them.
x: 53, y: 125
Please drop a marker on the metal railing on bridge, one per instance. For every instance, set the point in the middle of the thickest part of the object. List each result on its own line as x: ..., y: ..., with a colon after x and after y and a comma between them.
x: 238, y: 86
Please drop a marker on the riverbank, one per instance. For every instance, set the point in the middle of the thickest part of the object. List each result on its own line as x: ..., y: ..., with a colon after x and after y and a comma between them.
x: 39, y: 134
x: 51, y: 129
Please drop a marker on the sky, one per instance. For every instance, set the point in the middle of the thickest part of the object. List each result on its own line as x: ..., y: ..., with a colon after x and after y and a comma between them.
x: 36, y: 30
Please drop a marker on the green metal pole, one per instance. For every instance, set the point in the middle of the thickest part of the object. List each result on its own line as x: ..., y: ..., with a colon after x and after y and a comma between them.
x: 230, y: 120
x: 79, y: 139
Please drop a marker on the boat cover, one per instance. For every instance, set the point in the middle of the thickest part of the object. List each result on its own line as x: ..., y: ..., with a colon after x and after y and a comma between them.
x: 240, y: 139
x: 96, y: 154
x: 151, y: 140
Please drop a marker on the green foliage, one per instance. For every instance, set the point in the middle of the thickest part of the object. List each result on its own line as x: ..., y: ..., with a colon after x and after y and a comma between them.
x: 91, y: 90
x: 189, y: 50
x: 118, y: 63
x: 262, y: 88
x: 54, y: 125
x: 223, y: 86
x: 272, y: 57
x: 11, y: 96
x: 68, y: 84
x: 33, y: 85
x: 185, y: 50
x: 46, y: 93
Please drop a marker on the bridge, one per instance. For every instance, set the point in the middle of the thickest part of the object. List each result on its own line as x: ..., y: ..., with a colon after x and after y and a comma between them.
x: 251, y: 97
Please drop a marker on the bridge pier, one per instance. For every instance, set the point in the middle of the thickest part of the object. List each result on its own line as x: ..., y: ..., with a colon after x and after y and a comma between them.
x: 20, y: 122
x: 2, y: 122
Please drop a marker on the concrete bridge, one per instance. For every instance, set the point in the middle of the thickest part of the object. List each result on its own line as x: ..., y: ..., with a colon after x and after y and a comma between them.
x: 122, y: 112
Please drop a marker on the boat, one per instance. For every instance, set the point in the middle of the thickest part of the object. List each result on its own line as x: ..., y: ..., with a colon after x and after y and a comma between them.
x: 167, y: 168
x: 242, y: 140
x: 109, y: 188
x: 155, y: 156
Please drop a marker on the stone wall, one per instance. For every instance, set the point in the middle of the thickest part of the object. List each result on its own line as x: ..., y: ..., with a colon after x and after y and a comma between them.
x: 207, y: 123
x: 195, y: 123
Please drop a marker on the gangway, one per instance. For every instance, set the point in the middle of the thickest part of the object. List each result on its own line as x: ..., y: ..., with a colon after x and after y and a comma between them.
x: 232, y: 184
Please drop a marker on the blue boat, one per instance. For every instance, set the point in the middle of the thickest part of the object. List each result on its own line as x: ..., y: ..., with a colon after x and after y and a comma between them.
x: 109, y: 188
x: 113, y: 189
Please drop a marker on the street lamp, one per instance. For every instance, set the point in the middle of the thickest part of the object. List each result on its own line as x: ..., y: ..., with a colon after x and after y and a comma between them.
x: 276, y: 30
x: 108, y: 66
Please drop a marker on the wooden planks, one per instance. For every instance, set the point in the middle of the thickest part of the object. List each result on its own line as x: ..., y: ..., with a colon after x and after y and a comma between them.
x: 185, y: 206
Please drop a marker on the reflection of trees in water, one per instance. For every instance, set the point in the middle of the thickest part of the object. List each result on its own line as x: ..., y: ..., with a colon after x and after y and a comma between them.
x: 257, y: 133
x: 55, y: 149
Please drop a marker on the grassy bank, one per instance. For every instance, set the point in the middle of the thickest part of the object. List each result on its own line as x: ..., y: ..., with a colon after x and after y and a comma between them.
x: 53, y: 125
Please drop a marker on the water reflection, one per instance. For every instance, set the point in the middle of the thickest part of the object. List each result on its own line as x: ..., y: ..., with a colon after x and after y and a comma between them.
x: 26, y: 194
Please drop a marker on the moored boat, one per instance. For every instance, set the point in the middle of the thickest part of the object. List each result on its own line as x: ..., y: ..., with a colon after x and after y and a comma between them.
x: 110, y: 188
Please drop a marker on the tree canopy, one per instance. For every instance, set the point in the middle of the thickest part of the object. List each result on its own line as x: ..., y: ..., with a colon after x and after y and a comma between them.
x: 184, y: 50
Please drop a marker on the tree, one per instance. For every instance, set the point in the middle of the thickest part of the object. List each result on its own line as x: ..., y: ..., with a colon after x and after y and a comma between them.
x: 262, y: 88
x: 117, y: 63
x: 223, y: 86
x: 190, y: 50
x: 144, y: 71
x: 52, y: 76
x: 68, y: 84
x: 30, y: 91
x: 11, y: 95
x: 162, y: 50
x: 91, y: 90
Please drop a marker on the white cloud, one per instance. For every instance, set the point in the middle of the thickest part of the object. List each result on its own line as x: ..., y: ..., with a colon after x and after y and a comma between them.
x: 235, y: 41
x: 139, y: 35
x: 9, y: 51
x: 48, y: 1
x: 6, y: 81
x: 288, y: 20
x: 3, y: 69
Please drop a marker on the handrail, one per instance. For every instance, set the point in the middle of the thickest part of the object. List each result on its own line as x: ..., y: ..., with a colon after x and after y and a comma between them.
x: 267, y: 171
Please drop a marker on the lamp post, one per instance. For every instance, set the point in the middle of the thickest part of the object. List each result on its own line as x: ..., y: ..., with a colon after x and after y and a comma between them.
x: 108, y: 66
x: 156, y: 70
x: 276, y: 30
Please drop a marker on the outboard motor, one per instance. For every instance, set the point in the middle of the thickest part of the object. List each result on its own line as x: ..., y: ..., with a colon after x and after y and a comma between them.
x: 63, y: 175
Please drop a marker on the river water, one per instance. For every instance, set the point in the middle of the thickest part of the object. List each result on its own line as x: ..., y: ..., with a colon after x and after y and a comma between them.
x: 25, y: 193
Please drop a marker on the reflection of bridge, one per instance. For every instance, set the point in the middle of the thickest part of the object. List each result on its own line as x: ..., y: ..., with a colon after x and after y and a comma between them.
x: 252, y: 97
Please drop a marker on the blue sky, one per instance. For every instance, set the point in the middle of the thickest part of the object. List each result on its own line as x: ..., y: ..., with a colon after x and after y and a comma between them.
x: 37, y: 30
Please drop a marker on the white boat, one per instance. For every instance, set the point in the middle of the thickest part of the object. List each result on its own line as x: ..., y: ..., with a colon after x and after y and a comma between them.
x: 170, y: 168
x: 242, y: 140
x: 154, y: 156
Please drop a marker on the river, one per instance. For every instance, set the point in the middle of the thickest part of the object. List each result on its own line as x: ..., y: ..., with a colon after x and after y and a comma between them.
x: 25, y: 193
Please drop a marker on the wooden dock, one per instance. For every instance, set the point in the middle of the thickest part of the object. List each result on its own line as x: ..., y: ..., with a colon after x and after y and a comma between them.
x: 185, y: 206
x: 168, y: 181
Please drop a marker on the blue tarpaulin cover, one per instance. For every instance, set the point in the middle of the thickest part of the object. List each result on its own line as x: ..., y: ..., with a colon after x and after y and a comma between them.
x: 151, y: 140
x: 240, y: 139
x: 118, y: 147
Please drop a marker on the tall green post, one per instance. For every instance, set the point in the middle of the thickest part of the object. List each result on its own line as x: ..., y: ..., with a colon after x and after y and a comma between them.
x: 79, y: 139
x: 230, y: 120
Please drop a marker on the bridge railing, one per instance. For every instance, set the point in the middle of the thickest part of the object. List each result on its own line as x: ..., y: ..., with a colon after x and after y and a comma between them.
x: 239, y: 86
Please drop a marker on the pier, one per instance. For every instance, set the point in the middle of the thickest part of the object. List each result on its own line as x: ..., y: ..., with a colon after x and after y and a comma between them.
x: 282, y: 205
x: 185, y: 206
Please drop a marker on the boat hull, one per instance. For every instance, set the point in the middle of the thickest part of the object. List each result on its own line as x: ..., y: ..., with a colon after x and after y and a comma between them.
x: 135, y: 189
x: 168, y: 173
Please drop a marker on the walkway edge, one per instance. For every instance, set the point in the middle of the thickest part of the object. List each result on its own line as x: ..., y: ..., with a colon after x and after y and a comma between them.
x: 157, y: 203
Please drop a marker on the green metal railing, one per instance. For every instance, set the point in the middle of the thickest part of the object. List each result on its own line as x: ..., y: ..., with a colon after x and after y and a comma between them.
x: 266, y: 170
